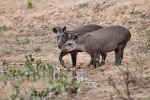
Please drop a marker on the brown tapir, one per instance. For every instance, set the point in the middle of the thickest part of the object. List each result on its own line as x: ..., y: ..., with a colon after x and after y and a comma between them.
x: 113, y: 38
x: 62, y: 37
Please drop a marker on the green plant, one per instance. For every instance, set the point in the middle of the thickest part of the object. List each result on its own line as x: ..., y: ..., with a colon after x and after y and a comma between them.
x: 83, y: 5
x: 147, y: 78
x: 22, y: 41
x: 5, y: 62
x: 38, y: 69
x: 38, y: 94
x: 42, y: 39
x: 17, y: 95
x: 148, y: 32
x: 30, y: 4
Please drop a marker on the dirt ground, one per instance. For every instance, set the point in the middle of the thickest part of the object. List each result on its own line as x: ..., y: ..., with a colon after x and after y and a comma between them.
x: 25, y: 30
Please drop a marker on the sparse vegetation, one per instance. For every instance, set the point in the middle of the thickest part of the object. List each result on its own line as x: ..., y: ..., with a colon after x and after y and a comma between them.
x: 22, y: 41
x: 57, y: 80
x: 83, y: 5
x: 30, y: 4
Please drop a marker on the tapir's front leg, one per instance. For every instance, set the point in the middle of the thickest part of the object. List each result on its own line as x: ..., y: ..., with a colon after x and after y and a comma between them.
x: 103, y: 55
x: 91, y: 62
x: 74, y: 57
x: 61, y: 56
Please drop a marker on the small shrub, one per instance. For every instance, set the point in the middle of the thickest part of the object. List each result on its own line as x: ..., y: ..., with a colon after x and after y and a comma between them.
x: 35, y: 70
x: 30, y: 4
x: 22, y: 41
x: 83, y: 5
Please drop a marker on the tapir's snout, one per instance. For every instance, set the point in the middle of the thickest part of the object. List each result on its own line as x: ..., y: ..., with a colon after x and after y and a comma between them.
x: 64, y: 49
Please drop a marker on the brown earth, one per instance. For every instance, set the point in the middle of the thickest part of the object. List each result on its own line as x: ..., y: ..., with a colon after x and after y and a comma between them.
x: 19, y: 22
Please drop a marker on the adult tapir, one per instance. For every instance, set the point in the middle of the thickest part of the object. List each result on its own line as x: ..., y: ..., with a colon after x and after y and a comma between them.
x: 113, y: 38
x: 62, y: 37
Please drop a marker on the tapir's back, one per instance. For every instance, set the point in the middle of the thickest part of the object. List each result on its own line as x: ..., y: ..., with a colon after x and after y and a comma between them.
x: 86, y: 29
x: 107, y: 38
x: 109, y: 33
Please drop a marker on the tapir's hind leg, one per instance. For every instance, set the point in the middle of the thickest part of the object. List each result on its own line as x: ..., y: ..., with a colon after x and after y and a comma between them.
x: 119, y: 54
x: 96, y: 59
x: 116, y: 56
x: 121, y: 50
x: 103, y: 59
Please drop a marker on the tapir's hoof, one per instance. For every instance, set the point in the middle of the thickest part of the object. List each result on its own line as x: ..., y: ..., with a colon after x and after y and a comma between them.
x: 88, y: 65
x: 102, y: 63
x: 97, y: 65
x: 78, y: 67
x: 117, y: 64
x: 62, y: 63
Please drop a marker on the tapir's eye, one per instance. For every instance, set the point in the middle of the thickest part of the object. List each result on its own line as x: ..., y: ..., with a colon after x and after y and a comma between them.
x: 69, y: 44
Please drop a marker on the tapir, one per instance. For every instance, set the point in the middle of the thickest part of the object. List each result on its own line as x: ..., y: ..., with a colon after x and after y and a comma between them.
x: 62, y: 37
x: 102, y: 41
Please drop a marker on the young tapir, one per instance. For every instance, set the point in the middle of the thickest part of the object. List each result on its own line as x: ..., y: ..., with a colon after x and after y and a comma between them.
x: 62, y: 37
x: 113, y: 38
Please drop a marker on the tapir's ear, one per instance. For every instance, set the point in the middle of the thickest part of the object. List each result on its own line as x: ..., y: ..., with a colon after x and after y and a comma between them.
x: 64, y: 28
x: 55, y: 30
x: 75, y: 37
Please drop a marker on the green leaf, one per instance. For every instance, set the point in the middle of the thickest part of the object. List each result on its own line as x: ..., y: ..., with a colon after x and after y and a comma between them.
x: 51, y: 82
x: 5, y: 62
x: 19, y: 72
x: 27, y: 65
x: 56, y: 75
x: 26, y: 56
x: 53, y: 89
x: 32, y: 59
x: 6, y: 99
x: 32, y: 89
x: 23, y: 74
x: 17, y: 89
x: 13, y: 96
x: 21, y: 81
x: 30, y: 56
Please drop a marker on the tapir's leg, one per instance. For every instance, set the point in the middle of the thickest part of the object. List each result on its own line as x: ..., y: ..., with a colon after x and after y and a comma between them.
x: 103, y: 59
x: 120, y: 52
x: 116, y: 56
x: 120, y: 56
x: 61, y: 56
x: 91, y: 62
x: 96, y: 59
x: 103, y: 55
x: 74, y: 57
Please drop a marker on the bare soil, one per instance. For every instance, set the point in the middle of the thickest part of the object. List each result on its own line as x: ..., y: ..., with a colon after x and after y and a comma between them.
x: 25, y: 30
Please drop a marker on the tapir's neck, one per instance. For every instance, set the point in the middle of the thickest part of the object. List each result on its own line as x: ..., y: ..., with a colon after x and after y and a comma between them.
x: 81, y: 41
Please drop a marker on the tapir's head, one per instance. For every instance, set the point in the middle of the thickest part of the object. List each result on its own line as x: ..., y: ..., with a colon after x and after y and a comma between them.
x: 61, y: 36
x: 73, y: 43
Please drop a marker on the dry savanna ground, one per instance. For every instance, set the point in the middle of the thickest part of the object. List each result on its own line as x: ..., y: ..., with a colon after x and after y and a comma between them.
x: 28, y: 30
